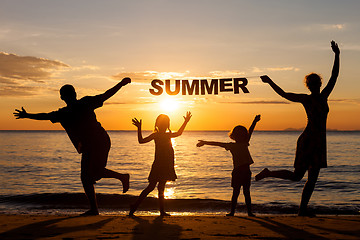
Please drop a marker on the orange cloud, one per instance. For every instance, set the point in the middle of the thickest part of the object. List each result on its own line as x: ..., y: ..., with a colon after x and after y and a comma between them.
x: 7, y: 91
x: 14, y: 67
x: 17, y: 73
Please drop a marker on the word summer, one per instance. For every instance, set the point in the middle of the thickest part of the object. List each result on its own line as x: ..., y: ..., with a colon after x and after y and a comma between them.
x: 200, y: 87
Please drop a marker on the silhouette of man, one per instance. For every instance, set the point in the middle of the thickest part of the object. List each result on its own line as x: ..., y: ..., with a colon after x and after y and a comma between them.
x: 87, y: 135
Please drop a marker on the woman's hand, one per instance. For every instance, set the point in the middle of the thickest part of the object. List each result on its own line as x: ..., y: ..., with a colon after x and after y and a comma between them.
x: 265, y: 78
x: 257, y: 118
x: 335, y: 47
x: 136, y: 122
x: 125, y: 81
x: 187, y: 116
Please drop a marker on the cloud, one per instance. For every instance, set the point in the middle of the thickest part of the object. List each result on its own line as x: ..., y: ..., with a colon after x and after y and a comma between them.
x: 325, y: 27
x: 19, y: 91
x: 332, y: 26
x: 258, y: 102
x: 344, y: 100
x: 146, y: 76
x: 225, y: 74
x: 14, y: 67
x: 150, y: 75
x: 21, y: 75
x: 129, y: 102
x: 274, y: 69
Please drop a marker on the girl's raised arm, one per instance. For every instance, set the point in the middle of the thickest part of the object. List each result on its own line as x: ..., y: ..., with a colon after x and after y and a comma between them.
x: 181, y: 129
x: 138, y: 124
x: 251, y: 129
x: 335, y: 71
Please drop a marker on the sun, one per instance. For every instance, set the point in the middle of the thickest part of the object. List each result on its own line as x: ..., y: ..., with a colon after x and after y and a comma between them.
x: 169, y: 105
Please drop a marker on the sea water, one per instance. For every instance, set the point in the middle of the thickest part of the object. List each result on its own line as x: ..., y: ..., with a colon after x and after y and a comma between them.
x: 40, y: 171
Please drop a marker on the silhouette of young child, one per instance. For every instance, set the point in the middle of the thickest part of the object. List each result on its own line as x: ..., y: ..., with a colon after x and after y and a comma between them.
x: 87, y: 135
x: 241, y: 175
x: 162, y: 169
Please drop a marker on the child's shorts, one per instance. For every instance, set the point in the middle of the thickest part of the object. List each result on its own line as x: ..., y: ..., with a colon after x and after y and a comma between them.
x: 241, y: 176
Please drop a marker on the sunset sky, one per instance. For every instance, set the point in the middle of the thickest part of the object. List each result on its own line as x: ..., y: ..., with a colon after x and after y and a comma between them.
x: 94, y: 44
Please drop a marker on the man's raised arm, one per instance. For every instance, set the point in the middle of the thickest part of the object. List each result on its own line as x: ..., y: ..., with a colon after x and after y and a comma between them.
x: 109, y: 93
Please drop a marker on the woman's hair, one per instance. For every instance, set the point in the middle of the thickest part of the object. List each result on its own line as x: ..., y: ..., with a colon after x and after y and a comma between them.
x: 162, y: 121
x: 239, y: 134
x: 312, y: 80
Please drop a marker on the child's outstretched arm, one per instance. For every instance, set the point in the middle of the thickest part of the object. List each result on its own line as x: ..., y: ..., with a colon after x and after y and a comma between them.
x: 138, y: 124
x: 251, y: 129
x: 218, y: 144
x: 181, y: 129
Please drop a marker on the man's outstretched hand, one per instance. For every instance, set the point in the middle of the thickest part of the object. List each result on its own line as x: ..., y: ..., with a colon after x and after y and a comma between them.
x: 20, y: 114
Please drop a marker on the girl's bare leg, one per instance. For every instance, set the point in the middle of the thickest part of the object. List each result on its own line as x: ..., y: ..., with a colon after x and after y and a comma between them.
x: 142, y: 196
x: 234, y: 198
x: 161, y: 189
x: 246, y: 192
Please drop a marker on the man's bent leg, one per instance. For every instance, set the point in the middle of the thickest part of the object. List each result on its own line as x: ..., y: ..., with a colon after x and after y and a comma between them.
x: 124, y: 178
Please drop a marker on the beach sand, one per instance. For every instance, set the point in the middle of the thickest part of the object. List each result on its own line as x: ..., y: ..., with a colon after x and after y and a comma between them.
x: 178, y: 227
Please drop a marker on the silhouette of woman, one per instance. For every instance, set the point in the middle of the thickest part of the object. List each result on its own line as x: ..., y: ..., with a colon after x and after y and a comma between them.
x: 311, y: 145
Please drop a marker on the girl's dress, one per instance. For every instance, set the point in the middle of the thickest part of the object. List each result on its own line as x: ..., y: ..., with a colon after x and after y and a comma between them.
x: 311, y: 145
x: 163, y: 167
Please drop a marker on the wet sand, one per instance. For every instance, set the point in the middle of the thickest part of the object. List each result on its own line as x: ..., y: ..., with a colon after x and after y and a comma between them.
x: 178, y: 227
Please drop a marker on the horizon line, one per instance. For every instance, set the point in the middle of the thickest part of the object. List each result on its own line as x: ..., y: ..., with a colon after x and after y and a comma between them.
x: 218, y: 130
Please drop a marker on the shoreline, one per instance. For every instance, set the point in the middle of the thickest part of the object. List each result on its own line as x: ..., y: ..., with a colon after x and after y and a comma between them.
x: 178, y: 227
x: 118, y: 204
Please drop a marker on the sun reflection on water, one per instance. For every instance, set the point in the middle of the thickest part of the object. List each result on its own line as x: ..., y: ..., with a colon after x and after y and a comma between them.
x: 169, y: 192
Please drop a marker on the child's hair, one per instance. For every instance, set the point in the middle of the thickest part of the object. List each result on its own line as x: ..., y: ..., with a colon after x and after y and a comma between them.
x: 239, y: 134
x: 312, y: 79
x: 162, y: 121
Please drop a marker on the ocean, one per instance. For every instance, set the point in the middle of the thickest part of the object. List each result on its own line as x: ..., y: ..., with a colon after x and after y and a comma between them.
x: 41, y: 174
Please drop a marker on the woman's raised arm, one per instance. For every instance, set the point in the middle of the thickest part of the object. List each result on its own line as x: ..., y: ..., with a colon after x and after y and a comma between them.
x: 335, y: 71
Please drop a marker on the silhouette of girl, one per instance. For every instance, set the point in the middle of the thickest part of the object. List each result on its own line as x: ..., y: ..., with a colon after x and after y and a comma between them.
x: 162, y: 169
x: 311, y: 145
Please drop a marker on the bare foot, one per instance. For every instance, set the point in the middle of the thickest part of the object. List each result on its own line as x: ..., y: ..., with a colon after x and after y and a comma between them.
x: 125, y: 180
x: 230, y: 214
x: 132, y: 210
x: 251, y: 214
x: 306, y: 213
x: 263, y: 174
x: 90, y: 213
x: 164, y: 214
